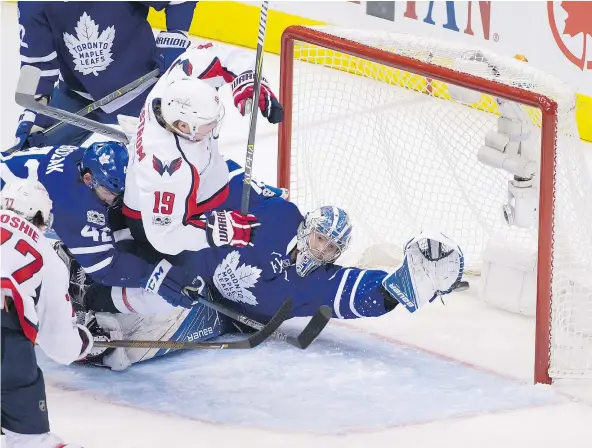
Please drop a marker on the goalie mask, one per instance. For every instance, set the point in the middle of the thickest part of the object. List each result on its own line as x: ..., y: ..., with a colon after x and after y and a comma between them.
x: 322, y: 237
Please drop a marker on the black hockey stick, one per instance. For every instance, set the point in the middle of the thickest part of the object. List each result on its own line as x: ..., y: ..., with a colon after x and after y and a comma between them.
x: 250, y: 342
x: 25, y: 97
x: 107, y: 99
x: 317, y: 323
x: 254, y: 110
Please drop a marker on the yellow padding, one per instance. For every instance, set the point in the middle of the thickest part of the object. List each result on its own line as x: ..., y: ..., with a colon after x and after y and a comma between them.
x: 584, y: 116
x: 236, y: 23
x: 388, y: 75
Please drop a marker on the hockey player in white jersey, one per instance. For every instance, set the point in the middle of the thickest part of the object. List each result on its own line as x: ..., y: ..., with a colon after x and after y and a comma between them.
x: 176, y: 175
x: 36, y: 309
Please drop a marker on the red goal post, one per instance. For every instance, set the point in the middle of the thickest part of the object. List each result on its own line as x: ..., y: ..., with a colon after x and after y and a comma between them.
x: 324, y: 44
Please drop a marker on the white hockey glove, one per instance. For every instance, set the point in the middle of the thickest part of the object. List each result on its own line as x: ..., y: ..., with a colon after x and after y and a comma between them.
x: 90, y: 331
x: 433, y: 266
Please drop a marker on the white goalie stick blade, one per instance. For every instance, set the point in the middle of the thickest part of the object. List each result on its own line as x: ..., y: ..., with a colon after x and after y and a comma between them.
x: 25, y: 97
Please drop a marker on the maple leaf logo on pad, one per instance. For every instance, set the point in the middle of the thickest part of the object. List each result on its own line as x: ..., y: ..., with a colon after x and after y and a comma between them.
x: 91, y: 51
x: 234, y: 282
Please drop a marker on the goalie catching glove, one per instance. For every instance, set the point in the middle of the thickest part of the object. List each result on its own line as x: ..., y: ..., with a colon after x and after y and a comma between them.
x: 243, y: 88
x: 433, y: 266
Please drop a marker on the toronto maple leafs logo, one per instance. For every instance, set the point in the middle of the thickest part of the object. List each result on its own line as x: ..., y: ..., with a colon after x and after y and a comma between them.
x: 234, y: 282
x: 166, y: 166
x: 104, y: 158
x: 90, y: 50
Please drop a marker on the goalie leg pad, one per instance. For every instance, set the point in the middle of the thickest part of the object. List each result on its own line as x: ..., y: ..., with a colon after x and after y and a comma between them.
x: 432, y: 267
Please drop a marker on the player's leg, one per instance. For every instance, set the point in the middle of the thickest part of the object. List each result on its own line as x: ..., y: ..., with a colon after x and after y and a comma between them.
x: 179, y: 325
x: 24, y: 404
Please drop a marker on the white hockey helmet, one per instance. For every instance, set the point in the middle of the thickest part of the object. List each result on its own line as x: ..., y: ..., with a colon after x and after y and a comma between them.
x: 28, y: 198
x: 194, y: 102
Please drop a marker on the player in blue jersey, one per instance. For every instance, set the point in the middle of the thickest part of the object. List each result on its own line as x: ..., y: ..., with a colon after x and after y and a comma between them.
x: 85, y: 185
x: 293, y: 256
x: 94, y: 48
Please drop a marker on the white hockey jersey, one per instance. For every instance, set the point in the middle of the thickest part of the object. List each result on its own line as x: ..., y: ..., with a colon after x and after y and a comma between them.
x: 171, y: 182
x: 35, y: 282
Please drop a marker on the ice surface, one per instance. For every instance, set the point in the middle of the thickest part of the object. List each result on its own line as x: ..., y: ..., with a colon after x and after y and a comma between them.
x: 346, y: 381
x: 452, y: 376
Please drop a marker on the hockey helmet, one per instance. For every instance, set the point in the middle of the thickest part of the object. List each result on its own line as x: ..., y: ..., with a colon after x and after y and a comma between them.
x: 29, y: 199
x: 107, y: 162
x: 195, y: 103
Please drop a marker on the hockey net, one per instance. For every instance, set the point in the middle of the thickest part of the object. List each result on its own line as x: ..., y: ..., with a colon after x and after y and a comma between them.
x: 371, y: 126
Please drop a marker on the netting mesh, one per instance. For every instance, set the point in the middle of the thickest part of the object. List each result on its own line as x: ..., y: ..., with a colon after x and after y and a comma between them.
x: 393, y: 150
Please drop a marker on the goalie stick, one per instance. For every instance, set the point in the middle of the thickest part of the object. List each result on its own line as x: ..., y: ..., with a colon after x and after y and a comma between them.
x: 25, y: 97
x: 108, y: 98
x: 315, y: 326
x: 254, y: 110
x: 249, y: 342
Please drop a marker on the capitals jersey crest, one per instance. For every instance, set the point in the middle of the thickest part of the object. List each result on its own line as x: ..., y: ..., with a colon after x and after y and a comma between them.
x: 166, y: 166
x: 90, y: 50
x: 185, y: 65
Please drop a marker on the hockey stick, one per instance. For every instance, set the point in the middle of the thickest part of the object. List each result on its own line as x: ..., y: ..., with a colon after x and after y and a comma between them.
x: 254, y: 110
x: 107, y: 99
x: 317, y: 323
x: 25, y: 97
x: 250, y: 342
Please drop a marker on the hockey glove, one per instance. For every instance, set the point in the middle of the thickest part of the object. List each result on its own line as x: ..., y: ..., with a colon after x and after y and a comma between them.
x: 432, y: 267
x: 230, y: 228
x: 169, y: 46
x: 90, y: 332
x: 242, y: 90
x: 167, y: 281
x: 26, y: 127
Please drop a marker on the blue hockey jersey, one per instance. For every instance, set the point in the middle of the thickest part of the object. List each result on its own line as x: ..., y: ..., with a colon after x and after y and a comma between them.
x: 81, y: 220
x: 96, y: 234
x: 95, y: 46
x: 256, y: 279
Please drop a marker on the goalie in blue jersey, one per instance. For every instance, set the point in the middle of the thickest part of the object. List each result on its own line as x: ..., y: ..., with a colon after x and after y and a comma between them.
x: 292, y: 256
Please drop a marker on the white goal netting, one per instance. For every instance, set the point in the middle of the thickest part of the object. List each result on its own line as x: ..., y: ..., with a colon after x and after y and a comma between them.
x: 399, y: 155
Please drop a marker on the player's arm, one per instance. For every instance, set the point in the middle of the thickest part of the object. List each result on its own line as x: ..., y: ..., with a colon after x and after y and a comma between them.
x: 351, y: 293
x: 433, y: 266
x: 103, y: 258
x: 174, y: 41
x: 36, y: 44
x: 222, y: 65
x: 179, y: 14
x: 58, y: 335
x: 36, y: 49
